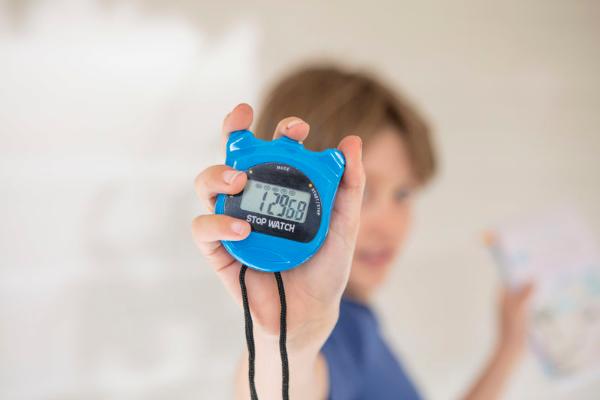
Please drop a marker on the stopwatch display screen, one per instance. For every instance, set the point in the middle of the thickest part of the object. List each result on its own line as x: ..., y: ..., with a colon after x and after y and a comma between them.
x: 278, y: 200
x: 274, y: 200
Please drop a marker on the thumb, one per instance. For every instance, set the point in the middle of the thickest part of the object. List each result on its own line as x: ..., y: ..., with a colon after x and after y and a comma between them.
x: 346, y: 210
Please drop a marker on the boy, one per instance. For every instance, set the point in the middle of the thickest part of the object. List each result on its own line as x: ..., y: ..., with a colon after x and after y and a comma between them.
x: 335, y: 348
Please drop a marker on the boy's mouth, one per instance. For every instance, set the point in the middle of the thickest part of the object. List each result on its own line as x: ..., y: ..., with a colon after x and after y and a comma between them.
x: 374, y: 258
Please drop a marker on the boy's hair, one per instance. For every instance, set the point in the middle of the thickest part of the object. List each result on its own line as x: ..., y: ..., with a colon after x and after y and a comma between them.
x: 337, y: 103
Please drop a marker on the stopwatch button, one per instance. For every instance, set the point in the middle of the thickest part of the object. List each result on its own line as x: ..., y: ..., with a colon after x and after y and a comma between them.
x: 290, y: 140
x: 240, y: 133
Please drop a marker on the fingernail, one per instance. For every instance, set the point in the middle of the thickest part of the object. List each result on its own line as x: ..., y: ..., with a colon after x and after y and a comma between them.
x: 294, y: 123
x: 230, y: 175
x: 238, y: 227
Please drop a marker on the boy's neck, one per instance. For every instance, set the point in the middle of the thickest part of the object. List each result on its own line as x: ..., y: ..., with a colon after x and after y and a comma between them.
x: 358, y: 296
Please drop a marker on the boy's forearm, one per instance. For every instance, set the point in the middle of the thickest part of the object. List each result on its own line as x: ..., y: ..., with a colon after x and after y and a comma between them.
x: 491, y: 384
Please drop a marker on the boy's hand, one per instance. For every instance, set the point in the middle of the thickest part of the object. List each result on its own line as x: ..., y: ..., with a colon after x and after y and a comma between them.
x: 314, y: 289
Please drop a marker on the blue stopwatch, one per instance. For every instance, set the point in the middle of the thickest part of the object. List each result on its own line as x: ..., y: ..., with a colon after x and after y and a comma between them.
x: 287, y: 200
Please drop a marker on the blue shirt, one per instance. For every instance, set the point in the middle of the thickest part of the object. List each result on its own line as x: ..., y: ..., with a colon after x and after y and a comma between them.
x: 361, y: 364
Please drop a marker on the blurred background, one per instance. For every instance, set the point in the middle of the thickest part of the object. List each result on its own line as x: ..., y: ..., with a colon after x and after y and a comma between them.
x: 109, y: 109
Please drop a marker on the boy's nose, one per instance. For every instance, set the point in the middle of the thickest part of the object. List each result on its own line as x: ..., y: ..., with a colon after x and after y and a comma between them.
x: 381, y: 220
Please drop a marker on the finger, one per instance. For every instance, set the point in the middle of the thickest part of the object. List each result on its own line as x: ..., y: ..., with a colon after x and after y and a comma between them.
x: 208, y: 231
x: 218, y: 179
x: 239, y: 118
x: 292, y: 127
x: 217, y: 257
x: 212, y: 228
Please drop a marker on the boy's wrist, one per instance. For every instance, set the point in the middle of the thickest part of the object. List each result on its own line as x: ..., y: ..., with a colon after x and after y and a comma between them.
x: 307, y: 338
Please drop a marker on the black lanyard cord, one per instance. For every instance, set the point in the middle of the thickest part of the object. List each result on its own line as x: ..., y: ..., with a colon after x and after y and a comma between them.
x: 285, y: 373
x: 249, y: 333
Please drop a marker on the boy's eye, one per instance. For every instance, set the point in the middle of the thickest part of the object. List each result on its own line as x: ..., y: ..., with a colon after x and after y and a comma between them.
x: 401, y: 195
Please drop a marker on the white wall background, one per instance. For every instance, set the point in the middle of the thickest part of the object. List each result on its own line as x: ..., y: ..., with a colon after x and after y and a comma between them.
x: 108, y: 110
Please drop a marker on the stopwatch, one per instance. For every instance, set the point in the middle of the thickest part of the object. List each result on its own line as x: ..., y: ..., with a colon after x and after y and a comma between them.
x: 287, y: 199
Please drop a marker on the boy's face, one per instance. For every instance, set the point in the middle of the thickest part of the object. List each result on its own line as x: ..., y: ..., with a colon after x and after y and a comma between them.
x: 386, y: 212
